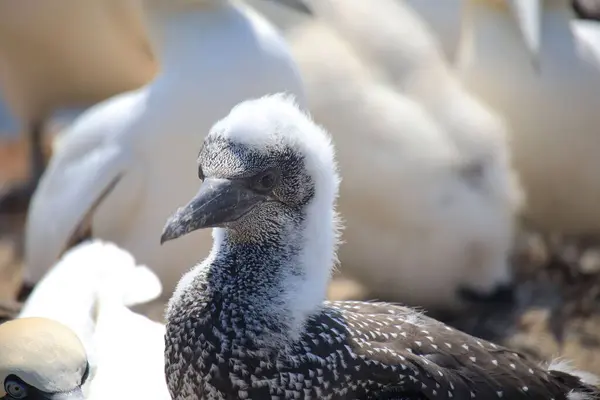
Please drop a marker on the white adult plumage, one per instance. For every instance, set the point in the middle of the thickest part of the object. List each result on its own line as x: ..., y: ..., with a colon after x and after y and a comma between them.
x: 428, y: 194
x: 41, y: 359
x: 89, y: 291
x: 442, y: 18
x: 552, y: 111
x: 113, y: 170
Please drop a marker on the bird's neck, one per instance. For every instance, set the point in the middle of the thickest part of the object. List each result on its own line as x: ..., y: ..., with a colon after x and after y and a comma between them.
x: 183, y: 31
x: 489, y: 30
x: 273, y: 285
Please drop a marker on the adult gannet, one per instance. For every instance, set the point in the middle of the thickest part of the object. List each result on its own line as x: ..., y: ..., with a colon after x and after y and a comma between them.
x: 89, y: 291
x: 41, y: 359
x: 112, y: 172
x: 552, y: 111
x: 438, y: 215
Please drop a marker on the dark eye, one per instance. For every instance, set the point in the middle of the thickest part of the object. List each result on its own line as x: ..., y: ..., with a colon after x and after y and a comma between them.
x: 200, y: 173
x: 266, y: 181
x: 15, y: 389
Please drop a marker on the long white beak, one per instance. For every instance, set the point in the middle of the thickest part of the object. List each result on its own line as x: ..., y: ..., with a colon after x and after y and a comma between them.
x: 528, y: 16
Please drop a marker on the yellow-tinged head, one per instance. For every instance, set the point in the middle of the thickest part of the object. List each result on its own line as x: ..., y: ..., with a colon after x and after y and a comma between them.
x: 41, y: 359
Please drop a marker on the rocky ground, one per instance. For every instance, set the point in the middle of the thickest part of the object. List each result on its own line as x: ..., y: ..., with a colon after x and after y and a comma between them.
x: 557, y: 312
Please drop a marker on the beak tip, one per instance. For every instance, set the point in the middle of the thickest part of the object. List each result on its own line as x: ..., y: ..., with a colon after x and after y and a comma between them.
x: 171, y: 229
x: 164, y: 238
x: 168, y: 234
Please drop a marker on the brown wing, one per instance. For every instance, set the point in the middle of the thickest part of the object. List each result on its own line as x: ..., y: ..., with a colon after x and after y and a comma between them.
x: 422, y: 355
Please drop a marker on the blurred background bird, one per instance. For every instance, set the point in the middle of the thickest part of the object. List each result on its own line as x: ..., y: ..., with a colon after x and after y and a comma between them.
x: 111, y: 174
x: 428, y: 193
x: 466, y: 135
x: 552, y: 109
x: 88, y: 291
x: 65, y: 54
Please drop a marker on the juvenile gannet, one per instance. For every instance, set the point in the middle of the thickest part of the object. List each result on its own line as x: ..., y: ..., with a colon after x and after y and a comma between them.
x: 250, y: 321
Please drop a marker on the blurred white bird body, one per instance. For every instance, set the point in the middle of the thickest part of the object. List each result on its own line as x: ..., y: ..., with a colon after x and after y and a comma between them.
x: 443, y: 19
x: 588, y: 33
x: 117, y: 162
x: 553, y: 112
x: 89, y: 290
x: 428, y: 195
x: 124, y: 339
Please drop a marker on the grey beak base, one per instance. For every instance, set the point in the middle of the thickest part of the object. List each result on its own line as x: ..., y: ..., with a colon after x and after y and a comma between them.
x: 217, y: 202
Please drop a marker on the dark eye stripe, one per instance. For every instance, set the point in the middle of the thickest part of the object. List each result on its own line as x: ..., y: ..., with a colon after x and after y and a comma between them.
x: 86, y: 374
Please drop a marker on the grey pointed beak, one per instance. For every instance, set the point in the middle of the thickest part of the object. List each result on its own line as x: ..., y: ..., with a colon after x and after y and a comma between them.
x: 218, y: 202
x: 299, y: 5
x: 76, y: 394
x: 528, y: 16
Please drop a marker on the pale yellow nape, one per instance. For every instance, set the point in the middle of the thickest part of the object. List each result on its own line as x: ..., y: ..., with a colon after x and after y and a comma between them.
x: 43, y: 353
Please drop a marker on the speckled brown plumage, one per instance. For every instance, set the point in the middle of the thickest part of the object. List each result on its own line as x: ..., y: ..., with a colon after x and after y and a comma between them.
x: 250, y: 321
x: 349, y: 350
